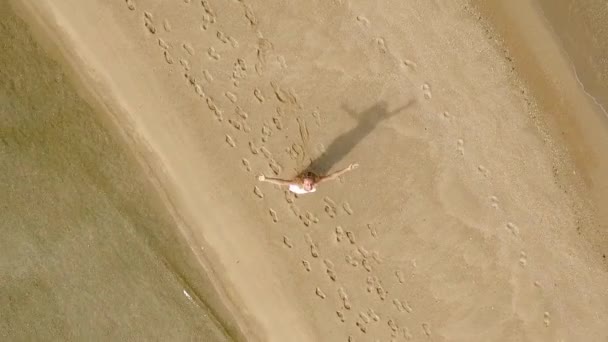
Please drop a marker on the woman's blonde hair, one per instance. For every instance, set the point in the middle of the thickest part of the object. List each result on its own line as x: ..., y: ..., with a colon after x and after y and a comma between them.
x: 308, y: 174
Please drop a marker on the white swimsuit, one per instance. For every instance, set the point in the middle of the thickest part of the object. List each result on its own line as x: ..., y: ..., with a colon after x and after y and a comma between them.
x: 297, y: 189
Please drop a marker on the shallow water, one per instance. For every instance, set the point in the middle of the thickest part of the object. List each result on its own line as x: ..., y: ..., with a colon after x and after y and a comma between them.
x: 582, y: 29
x: 87, y: 253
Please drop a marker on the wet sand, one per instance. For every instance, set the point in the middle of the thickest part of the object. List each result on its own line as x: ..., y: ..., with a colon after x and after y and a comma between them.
x: 88, y: 250
x: 475, y: 214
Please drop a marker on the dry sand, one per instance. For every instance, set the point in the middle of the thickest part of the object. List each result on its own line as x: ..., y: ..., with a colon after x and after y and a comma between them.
x: 475, y: 214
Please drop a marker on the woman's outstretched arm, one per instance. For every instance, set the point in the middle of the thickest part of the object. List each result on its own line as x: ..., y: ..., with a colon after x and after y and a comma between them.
x: 276, y: 181
x: 338, y: 173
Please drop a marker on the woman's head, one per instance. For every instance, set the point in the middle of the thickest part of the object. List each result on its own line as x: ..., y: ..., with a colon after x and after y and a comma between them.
x: 309, y: 180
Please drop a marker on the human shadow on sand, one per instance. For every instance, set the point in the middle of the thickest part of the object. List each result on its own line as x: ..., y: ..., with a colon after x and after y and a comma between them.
x: 342, y: 145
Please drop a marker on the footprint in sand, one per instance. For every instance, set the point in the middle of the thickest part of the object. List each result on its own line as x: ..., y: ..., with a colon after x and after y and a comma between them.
x: 198, y: 89
x: 163, y: 45
x: 211, y: 103
x: 351, y: 261
x: 304, y: 220
x: 207, y: 75
x: 287, y: 242
x: 317, y: 116
x: 371, y: 313
x: 214, y: 108
x: 339, y: 234
x: 364, y: 252
x: 512, y: 227
x: 426, y: 91
x: 351, y: 237
x: 380, y: 290
x: 330, y: 207
x: 266, y: 132
x: 222, y: 37
x: 259, y: 68
x: 253, y: 148
x: 295, y: 210
x: 273, y: 215
x: 393, y: 326
x: 312, y: 217
x: 278, y: 124
x: 371, y: 283
x: 402, y: 305
x: 306, y: 265
x: 266, y: 152
x: 282, y: 61
x: 258, y: 192
x: 280, y: 94
x: 231, y: 96
x: 547, y: 319
x: 426, y: 327
x: 168, y: 57
x: 361, y: 326
x: 289, y: 196
x: 340, y: 315
x: 314, y: 250
x: 233, y: 42
x: 320, y: 293
x: 188, y: 48
x: 366, y: 265
x: 167, y: 25
x: 230, y: 141
x: 321, y: 148
x: 185, y: 64
x: 409, y: 64
x: 460, y: 146
x: 213, y: 54
x: 240, y: 112
x: 406, y: 333
x: 236, y: 124
x: 148, y: 22
x: 400, y: 276
x: 131, y: 5
x: 523, y: 259
x: 258, y: 95
x: 344, y: 297
x: 372, y: 230
x: 363, y: 20
x: 275, y: 167
x: 250, y: 15
x: 483, y: 170
x: 246, y: 164
x: 376, y: 257
x: 347, y: 208
x: 207, y: 21
x: 329, y: 269
x: 494, y: 201
x: 364, y: 317
x: 381, y: 43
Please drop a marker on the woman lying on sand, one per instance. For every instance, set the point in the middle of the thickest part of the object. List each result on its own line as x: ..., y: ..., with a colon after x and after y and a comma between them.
x: 308, y: 181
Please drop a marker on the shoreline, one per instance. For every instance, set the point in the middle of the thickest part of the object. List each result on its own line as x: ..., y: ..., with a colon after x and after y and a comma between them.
x: 204, y: 283
x: 78, y: 227
x: 577, y: 125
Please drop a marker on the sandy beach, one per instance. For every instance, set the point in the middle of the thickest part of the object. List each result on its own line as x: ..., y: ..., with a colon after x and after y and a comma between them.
x: 132, y: 134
